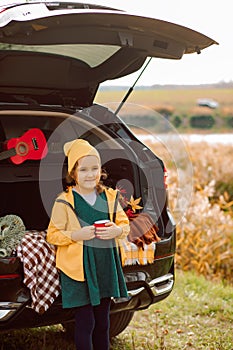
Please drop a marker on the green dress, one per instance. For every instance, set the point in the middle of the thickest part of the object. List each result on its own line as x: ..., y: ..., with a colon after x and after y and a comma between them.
x: 102, y: 267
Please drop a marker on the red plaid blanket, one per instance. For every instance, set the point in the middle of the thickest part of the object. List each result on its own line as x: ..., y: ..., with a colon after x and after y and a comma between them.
x: 40, y: 273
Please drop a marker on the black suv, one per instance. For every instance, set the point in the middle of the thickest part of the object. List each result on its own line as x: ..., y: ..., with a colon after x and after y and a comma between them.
x: 53, y: 57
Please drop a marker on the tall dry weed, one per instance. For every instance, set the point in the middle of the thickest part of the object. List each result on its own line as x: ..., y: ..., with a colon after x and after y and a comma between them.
x: 205, y: 237
x: 205, y: 230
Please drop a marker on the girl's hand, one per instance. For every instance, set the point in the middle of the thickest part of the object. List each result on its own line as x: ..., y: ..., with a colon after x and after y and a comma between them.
x: 84, y: 234
x: 111, y: 230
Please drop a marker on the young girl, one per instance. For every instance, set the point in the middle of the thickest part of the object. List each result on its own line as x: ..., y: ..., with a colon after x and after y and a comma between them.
x: 87, y: 257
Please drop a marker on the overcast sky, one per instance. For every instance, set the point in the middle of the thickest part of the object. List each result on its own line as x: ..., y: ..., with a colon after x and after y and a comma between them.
x: 213, y: 18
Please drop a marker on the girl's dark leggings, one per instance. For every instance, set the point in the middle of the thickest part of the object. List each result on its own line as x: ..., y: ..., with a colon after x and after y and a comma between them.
x: 92, y: 326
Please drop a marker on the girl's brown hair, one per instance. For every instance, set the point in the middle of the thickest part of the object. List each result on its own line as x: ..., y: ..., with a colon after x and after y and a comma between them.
x: 70, y: 178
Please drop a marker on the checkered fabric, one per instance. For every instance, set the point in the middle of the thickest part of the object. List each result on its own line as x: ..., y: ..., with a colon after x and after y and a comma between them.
x: 40, y: 273
x: 131, y: 254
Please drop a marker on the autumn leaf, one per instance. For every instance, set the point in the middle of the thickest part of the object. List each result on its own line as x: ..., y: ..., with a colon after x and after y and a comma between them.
x: 134, y: 203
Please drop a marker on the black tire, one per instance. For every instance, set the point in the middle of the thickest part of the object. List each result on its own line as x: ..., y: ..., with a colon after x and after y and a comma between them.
x: 69, y: 330
x: 119, y: 321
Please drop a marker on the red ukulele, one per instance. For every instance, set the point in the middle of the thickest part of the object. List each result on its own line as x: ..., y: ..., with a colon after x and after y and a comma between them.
x: 31, y: 145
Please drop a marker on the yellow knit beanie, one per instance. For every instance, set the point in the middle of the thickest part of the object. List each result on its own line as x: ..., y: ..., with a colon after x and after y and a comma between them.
x: 77, y: 149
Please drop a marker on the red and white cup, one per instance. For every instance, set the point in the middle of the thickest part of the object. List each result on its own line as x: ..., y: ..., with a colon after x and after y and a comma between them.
x: 100, y: 223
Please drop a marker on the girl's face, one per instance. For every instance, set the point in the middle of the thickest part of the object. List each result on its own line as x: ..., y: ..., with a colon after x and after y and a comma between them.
x: 87, y: 173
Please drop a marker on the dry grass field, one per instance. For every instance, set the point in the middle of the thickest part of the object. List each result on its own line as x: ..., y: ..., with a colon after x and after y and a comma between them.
x: 202, y: 203
x: 176, y: 102
x: 181, y: 99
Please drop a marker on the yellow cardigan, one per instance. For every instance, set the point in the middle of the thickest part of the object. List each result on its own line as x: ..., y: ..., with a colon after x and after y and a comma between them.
x: 69, y: 254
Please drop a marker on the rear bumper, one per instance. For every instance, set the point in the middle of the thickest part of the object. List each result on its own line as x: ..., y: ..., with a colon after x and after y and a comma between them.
x: 141, y: 296
x: 8, y: 309
x: 158, y: 286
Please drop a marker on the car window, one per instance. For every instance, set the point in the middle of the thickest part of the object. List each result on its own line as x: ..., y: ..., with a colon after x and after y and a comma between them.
x: 92, y: 55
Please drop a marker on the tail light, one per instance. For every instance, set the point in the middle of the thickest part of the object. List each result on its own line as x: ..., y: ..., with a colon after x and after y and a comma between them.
x: 165, y: 176
x: 10, y: 276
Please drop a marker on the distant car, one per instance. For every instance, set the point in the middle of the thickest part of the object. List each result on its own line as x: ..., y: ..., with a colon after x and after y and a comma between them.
x: 207, y: 102
x: 53, y: 57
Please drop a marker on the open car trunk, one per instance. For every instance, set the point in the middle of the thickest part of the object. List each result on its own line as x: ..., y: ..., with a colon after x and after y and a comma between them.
x: 30, y: 188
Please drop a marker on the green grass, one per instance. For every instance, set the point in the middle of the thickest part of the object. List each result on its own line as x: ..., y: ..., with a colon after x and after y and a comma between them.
x: 197, y: 315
